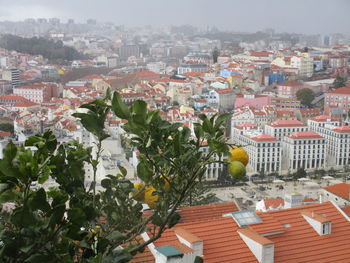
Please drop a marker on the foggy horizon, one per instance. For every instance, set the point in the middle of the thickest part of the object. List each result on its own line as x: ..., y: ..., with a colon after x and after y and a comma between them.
x: 307, y: 17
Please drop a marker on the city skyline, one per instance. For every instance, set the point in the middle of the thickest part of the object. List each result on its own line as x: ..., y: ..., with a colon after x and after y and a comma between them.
x: 312, y: 17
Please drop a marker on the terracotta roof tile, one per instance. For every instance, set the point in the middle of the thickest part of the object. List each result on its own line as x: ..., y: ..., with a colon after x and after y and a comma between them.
x: 315, y: 216
x: 187, y: 235
x: 342, y: 190
x: 299, y: 242
x: 342, y: 129
x: 264, y: 138
x: 346, y: 210
x: 273, y: 203
x: 287, y: 123
x: 342, y: 90
x: 305, y: 135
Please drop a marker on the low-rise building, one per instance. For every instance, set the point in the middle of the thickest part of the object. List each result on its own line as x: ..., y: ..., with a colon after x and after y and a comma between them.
x: 338, y: 193
x: 339, y: 98
x: 38, y: 93
x: 289, y: 88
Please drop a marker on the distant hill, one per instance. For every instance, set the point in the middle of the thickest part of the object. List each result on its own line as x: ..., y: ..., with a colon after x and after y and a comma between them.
x: 50, y: 49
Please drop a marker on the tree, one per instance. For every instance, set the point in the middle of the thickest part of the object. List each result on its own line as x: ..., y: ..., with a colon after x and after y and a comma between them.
x: 306, y: 96
x: 339, y: 82
x: 300, y: 173
x: 215, y: 54
x: 331, y: 171
x: 262, y: 174
x: 75, y: 223
x: 6, y: 127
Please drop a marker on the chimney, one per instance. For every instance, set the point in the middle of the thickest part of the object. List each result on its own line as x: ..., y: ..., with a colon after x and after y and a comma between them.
x: 321, y: 198
x: 190, y: 240
x: 262, y: 248
x: 320, y: 223
x: 293, y: 200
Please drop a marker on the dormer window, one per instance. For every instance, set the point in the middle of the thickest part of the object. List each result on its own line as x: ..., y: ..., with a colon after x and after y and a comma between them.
x: 320, y: 223
x: 326, y: 228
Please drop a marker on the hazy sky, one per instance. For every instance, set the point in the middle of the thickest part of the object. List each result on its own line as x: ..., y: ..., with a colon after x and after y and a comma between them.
x: 300, y: 16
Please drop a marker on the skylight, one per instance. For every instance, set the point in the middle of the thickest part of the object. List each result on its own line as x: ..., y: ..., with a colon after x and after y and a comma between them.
x: 246, y: 218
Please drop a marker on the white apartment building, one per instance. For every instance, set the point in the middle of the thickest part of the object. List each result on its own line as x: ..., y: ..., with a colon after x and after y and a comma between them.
x: 304, y: 64
x: 213, y: 169
x: 282, y: 128
x: 319, y: 122
x: 303, y: 149
x: 264, y: 150
x: 338, y: 145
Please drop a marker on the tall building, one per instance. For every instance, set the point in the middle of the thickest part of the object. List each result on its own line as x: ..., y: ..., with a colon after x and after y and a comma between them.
x: 338, y: 144
x: 304, y: 149
x: 127, y: 51
x: 264, y: 150
x: 12, y: 75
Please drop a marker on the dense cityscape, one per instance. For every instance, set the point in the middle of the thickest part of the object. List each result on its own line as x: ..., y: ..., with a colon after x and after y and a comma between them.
x: 288, y: 96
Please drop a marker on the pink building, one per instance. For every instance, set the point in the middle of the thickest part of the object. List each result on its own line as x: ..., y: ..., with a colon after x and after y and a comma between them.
x: 289, y: 88
x: 253, y: 101
x: 339, y: 98
x: 37, y: 93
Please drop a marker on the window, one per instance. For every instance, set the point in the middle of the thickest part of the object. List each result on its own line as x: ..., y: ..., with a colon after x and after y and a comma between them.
x: 326, y: 228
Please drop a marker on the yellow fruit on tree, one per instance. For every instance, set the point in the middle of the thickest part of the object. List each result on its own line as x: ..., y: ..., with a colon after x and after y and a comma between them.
x: 150, y: 198
x: 166, y: 185
x: 139, y: 192
x: 240, y: 155
x: 237, y: 169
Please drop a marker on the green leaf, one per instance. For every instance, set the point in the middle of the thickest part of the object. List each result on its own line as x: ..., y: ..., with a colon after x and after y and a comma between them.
x: 38, y: 258
x: 207, y: 126
x: 139, y: 107
x: 77, y: 216
x: 119, y: 107
x: 122, y: 170
x: 221, y: 120
x: 10, y: 151
x: 39, y: 201
x: 106, y: 183
x: 115, y: 235
x: 198, y: 131
x: 8, y: 195
x: 144, y: 170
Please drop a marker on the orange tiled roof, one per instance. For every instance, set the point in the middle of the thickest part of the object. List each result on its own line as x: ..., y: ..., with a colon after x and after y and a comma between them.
x: 305, y: 135
x: 346, y: 210
x: 342, y: 129
x: 264, y: 138
x: 297, y: 242
x: 287, y: 123
x: 342, y: 190
x: 342, y: 90
x: 205, y: 212
x: 273, y: 203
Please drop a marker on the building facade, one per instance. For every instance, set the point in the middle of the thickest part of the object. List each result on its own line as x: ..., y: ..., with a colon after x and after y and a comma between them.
x: 304, y: 149
x: 339, y: 98
x: 280, y: 129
